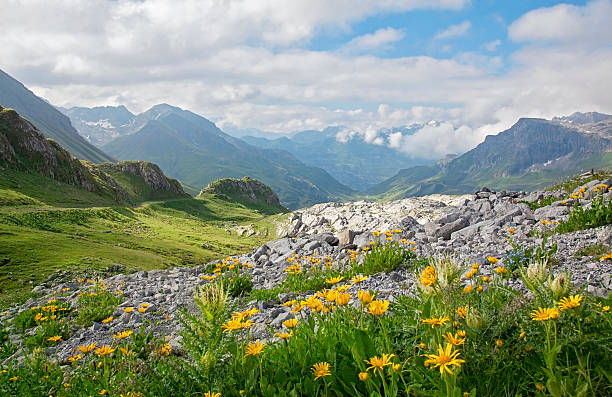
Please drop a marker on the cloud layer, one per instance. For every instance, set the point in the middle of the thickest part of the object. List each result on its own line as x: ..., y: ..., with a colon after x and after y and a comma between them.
x: 247, y: 64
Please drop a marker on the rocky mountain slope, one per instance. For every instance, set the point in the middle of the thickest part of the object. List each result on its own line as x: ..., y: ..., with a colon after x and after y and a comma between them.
x: 193, y: 149
x: 469, y: 228
x: 47, y: 119
x: 24, y: 149
x: 530, y: 155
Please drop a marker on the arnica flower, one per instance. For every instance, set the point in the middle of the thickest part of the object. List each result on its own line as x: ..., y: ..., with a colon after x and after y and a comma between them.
x: 444, y: 359
x: 358, y: 279
x: 104, y: 350
x: 123, y: 335
x: 334, y: 280
x: 429, y: 276
x: 435, y: 321
x: 55, y: 338
x: 377, y: 308
x: 545, y: 314
x: 142, y: 309
x: 485, y: 279
x: 331, y: 295
x: 165, y: 350
x: 128, y: 309
x: 321, y: 370
x: 107, y: 320
x: 454, y: 340
x: 570, y: 303
x: 365, y: 297
x: 363, y: 376
x: 492, y: 260
x: 235, y: 324
x: 284, y: 335
x: 468, y: 288
x: 511, y: 231
x: 605, y: 308
x: 209, y: 278
x: 343, y: 288
x: 254, y: 349
x: 86, y: 348
x: 75, y: 358
x: 291, y: 323
x: 499, y: 343
x: 212, y: 394
x: 145, y: 305
x: 396, y: 367
x: 379, y: 363
x: 462, y: 311
x: 343, y: 299
x: 501, y: 270
x: 290, y: 303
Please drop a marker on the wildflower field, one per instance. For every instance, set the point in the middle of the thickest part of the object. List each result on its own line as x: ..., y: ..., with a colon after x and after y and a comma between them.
x: 459, y: 332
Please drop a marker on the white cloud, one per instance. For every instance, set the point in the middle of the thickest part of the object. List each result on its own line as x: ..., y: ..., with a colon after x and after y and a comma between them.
x: 377, y: 40
x: 454, y: 31
x: 492, y: 45
x: 586, y: 25
x: 243, y: 64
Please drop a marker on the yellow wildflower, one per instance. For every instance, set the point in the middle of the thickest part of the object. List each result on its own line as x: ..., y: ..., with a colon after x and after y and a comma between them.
x: 379, y: 363
x: 462, y: 311
x: 108, y: 319
x: 284, y: 335
x: 254, y: 349
x: 570, y: 303
x: 321, y: 370
x: 343, y: 299
x: 444, y: 359
x: 166, y: 349
x: 377, y: 308
x: 429, y: 276
x: 86, y: 348
x: 123, y: 335
x: 128, y: 309
x: 544, y: 314
x: 358, y: 279
x: 55, y: 338
x: 104, y: 350
x: 455, y: 340
x: 365, y: 297
x: 291, y: 323
x: 436, y: 321
x: 363, y: 376
x: 492, y: 260
x: 334, y: 280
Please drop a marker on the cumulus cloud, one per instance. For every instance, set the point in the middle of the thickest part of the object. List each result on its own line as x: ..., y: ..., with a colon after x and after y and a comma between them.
x: 454, y: 31
x: 589, y: 24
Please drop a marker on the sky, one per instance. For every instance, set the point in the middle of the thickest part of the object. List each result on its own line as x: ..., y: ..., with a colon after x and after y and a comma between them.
x: 473, y: 67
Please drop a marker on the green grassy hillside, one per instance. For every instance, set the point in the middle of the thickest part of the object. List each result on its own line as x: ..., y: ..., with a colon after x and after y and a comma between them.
x: 37, y: 239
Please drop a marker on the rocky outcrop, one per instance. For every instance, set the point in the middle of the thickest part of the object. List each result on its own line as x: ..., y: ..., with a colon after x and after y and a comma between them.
x: 24, y: 148
x: 248, y: 191
x: 149, y: 172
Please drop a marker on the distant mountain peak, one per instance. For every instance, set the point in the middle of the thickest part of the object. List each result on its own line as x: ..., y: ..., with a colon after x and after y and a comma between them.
x: 583, y: 118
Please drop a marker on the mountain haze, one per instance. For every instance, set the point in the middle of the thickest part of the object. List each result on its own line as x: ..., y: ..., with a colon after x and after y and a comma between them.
x: 191, y: 148
x: 47, y: 119
x: 355, y: 162
x: 529, y: 155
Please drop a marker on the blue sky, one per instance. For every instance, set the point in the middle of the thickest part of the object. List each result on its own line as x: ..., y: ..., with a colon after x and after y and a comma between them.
x: 473, y: 67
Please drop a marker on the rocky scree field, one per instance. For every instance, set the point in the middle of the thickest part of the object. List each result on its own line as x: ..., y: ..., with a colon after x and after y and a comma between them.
x: 494, y: 293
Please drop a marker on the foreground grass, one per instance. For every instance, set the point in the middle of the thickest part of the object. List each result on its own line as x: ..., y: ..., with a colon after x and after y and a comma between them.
x: 36, y: 241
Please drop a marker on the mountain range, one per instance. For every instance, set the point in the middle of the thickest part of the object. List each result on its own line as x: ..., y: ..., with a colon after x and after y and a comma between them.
x: 353, y: 161
x: 529, y: 155
x: 47, y: 119
x: 191, y: 148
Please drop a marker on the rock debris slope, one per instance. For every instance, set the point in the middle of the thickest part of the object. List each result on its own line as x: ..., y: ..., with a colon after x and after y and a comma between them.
x: 470, y: 228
